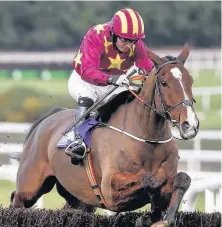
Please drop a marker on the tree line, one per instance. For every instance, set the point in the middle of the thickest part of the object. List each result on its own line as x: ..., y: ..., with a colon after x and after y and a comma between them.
x: 37, y: 25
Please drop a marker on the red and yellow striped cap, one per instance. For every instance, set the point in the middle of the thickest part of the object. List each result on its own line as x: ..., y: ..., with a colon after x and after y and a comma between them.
x: 127, y: 23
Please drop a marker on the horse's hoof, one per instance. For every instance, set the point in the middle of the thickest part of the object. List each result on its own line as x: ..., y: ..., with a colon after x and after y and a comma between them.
x: 143, y: 221
x: 160, y: 224
x: 139, y: 222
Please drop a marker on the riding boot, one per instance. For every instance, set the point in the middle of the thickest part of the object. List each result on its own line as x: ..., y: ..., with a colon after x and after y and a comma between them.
x: 78, y: 147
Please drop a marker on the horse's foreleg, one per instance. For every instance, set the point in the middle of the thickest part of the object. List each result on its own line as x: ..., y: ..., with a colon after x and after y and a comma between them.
x: 126, y: 188
x: 180, y: 185
x: 118, y: 189
x: 159, y: 199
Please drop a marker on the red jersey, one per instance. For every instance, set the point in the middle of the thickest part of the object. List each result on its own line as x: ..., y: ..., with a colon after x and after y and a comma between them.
x: 97, y: 58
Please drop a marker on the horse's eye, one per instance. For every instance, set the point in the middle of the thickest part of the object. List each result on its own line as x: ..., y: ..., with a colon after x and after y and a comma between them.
x: 164, y: 83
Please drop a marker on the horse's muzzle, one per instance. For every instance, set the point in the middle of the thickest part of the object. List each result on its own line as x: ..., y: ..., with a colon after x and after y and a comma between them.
x: 188, y: 131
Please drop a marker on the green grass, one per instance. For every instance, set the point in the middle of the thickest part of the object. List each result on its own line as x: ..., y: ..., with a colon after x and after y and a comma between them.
x: 51, y: 87
x: 206, y: 78
x: 212, y: 120
x: 53, y: 201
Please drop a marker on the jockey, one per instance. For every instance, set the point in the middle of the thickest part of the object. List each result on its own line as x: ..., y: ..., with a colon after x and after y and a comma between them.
x: 106, y: 53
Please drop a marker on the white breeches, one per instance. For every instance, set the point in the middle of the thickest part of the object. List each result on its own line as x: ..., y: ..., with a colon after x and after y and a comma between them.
x: 80, y: 88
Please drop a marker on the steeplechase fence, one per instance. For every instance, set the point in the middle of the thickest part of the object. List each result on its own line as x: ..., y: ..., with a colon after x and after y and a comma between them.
x: 75, y: 218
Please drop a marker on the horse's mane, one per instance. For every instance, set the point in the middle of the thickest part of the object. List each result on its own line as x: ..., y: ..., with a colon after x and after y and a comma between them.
x: 34, y: 125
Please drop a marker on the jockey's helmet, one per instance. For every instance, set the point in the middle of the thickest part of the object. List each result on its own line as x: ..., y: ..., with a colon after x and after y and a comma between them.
x: 127, y: 23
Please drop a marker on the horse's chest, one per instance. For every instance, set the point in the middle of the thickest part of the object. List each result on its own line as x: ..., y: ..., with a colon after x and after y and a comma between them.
x: 133, y: 162
x: 128, y: 162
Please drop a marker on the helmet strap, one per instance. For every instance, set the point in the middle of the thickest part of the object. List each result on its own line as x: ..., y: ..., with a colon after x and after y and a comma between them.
x: 114, y: 39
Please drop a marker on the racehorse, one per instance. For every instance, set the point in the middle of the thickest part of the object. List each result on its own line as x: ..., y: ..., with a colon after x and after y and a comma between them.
x: 133, y: 166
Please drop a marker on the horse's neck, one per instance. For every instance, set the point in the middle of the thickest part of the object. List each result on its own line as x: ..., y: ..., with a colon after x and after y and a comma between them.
x: 151, y: 125
x: 140, y: 120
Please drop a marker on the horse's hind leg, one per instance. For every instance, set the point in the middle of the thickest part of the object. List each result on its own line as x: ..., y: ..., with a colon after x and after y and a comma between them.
x: 159, y: 204
x: 72, y: 201
x: 19, y: 199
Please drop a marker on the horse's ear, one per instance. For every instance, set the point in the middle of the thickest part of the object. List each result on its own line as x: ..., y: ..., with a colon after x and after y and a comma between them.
x: 184, y: 53
x: 153, y: 57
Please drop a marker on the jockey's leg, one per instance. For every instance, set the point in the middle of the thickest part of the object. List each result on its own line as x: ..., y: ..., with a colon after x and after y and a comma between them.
x: 78, y: 148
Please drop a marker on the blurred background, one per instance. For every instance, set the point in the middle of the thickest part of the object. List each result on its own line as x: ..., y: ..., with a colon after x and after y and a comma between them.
x: 38, y: 41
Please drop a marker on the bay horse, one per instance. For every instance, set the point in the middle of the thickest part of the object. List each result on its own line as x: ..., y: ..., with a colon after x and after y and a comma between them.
x: 132, y: 168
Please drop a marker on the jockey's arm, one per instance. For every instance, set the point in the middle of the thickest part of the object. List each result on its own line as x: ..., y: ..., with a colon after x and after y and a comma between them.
x: 141, y: 58
x: 92, y: 49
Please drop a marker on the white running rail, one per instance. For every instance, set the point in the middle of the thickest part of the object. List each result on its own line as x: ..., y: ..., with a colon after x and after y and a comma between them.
x: 213, y: 193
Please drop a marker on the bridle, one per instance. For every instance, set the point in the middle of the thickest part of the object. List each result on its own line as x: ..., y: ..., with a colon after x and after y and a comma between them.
x: 165, y: 110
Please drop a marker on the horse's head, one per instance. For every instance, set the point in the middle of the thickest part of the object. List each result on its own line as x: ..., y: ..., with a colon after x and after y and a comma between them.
x: 173, y: 93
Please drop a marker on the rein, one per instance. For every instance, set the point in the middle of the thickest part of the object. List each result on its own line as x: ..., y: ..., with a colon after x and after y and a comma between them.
x: 164, y: 113
x: 137, y: 138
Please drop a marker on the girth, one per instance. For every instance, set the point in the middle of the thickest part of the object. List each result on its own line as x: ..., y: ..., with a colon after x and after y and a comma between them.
x: 87, y: 161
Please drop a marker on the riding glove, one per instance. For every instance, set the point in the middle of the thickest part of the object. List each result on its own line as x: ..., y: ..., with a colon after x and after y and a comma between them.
x: 120, y: 80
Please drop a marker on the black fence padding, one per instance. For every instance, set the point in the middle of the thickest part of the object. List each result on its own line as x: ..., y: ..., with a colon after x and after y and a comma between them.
x: 11, y: 217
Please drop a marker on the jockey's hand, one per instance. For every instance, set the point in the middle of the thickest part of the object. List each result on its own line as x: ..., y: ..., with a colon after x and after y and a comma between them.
x: 138, y: 71
x: 131, y: 69
x: 120, y: 80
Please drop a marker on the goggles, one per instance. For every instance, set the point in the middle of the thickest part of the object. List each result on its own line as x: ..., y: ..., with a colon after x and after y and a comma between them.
x: 125, y: 40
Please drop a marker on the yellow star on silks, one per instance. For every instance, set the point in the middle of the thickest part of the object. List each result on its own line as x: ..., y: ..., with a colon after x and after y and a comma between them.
x: 116, y: 62
x: 99, y: 28
x: 77, y: 59
x: 106, y: 44
x: 132, y: 50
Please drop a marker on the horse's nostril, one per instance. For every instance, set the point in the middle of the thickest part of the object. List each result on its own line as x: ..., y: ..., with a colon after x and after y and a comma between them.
x: 185, y: 126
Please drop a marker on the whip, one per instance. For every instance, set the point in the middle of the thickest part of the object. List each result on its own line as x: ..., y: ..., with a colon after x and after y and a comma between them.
x: 94, y: 106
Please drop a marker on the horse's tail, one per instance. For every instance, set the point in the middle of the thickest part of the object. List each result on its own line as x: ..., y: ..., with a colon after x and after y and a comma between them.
x: 36, y: 123
x: 17, y: 156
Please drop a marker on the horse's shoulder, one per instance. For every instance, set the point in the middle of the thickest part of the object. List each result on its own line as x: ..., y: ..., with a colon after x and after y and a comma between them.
x: 171, y: 151
x: 168, y: 149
